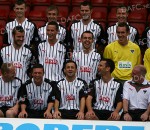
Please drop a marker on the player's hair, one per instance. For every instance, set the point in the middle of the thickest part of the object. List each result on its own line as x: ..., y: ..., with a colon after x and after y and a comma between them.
x: 20, y: 2
x: 124, y: 24
x: 123, y: 7
x: 5, y: 68
x: 142, y: 69
x: 55, y: 24
x: 38, y: 66
x: 109, y: 63
x: 86, y: 3
x: 88, y: 32
x: 53, y: 7
x: 17, y: 28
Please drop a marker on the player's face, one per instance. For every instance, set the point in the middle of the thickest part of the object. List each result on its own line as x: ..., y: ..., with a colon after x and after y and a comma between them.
x: 87, y: 41
x: 51, y: 32
x: 37, y: 75
x: 102, y: 68
x: 85, y: 12
x: 52, y: 15
x: 70, y: 70
x: 122, y: 35
x: 18, y: 38
x: 122, y: 15
x: 11, y: 74
x: 136, y: 75
x: 20, y: 10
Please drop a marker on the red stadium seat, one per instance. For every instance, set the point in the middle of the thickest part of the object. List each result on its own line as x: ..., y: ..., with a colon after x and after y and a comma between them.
x: 28, y: 2
x: 103, y: 25
x: 99, y: 14
x: 148, y: 19
x: 1, y: 41
x: 12, y: 14
x: 38, y: 13
x: 41, y: 2
x: 61, y: 2
x: 63, y: 13
x: 102, y: 3
x: 74, y: 14
x: 39, y: 23
x: 2, y: 26
x: 4, y: 11
x: 139, y: 26
x: 5, y: 2
x: 138, y: 2
x: 112, y: 15
x: 138, y: 15
x: 77, y: 2
x: 110, y: 23
x: 118, y: 2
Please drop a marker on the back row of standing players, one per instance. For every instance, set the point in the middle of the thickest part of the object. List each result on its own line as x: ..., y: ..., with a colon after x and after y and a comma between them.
x: 52, y: 44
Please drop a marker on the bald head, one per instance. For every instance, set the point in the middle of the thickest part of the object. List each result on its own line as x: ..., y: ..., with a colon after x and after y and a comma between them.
x: 138, y: 74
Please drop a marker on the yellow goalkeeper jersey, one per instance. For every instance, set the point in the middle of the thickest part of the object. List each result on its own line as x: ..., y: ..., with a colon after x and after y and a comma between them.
x: 125, y: 58
x: 147, y: 63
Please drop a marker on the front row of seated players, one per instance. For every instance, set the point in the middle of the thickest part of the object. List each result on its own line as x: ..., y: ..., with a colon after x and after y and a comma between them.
x: 71, y: 95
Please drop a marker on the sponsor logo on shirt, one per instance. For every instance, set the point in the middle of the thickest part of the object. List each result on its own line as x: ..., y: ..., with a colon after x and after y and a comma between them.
x: 6, y: 98
x: 51, y: 61
x: 18, y: 65
x: 85, y: 69
x: 38, y: 101
x: 124, y: 65
x: 132, y: 51
x: 70, y: 97
x: 103, y: 98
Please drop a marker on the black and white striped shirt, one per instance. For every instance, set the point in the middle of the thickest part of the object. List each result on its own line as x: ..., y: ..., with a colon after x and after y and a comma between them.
x: 9, y: 92
x: 112, y: 35
x: 52, y: 58
x: 87, y: 64
x: 21, y: 59
x: 106, y: 95
x: 76, y: 30
x: 146, y: 37
x: 31, y: 32
x: 69, y: 94
x: 37, y: 97
x: 61, y: 36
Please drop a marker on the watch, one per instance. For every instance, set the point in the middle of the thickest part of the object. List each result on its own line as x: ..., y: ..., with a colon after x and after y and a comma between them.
x: 125, y: 112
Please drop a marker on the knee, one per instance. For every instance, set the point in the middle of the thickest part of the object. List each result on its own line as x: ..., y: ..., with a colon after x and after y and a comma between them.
x: 10, y: 114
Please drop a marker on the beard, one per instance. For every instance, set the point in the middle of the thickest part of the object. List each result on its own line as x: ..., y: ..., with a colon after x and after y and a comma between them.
x: 85, y: 17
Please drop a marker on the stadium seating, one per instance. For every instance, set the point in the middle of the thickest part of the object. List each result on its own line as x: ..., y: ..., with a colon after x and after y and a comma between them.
x: 115, y: 3
x: 2, y: 26
x: 99, y: 14
x: 100, y: 3
x: 77, y: 2
x: 41, y: 2
x: 138, y: 15
x: 39, y: 23
x: 5, y: 2
x: 28, y: 2
x: 139, y: 26
x: 138, y: 2
x: 38, y: 13
x: 112, y: 15
x: 61, y: 2
x: 4, y: 11
x: 1, y: 41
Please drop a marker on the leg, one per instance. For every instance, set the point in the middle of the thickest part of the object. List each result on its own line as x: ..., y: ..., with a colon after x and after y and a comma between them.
x: 1, y: 114
x: 11, y: 113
